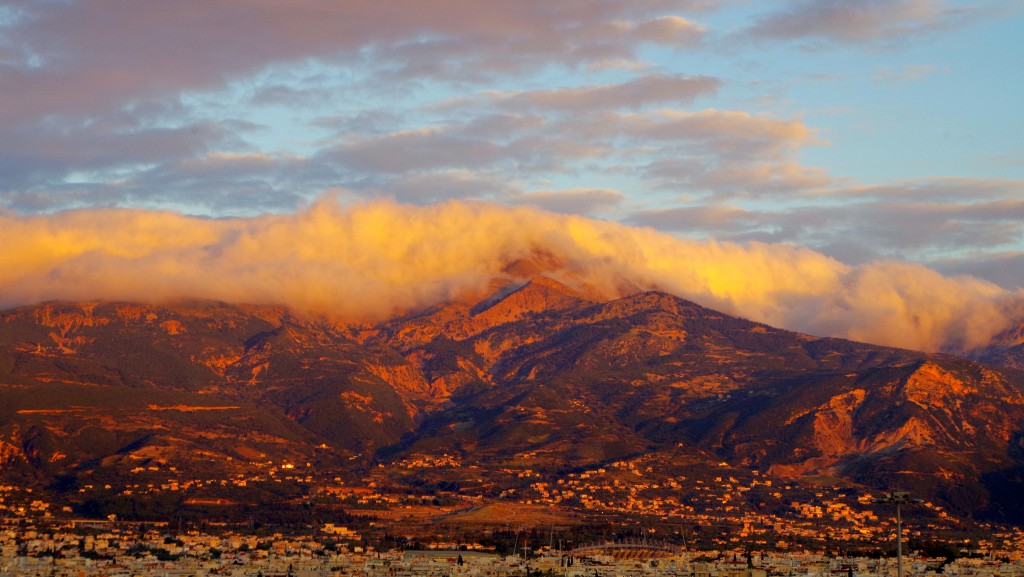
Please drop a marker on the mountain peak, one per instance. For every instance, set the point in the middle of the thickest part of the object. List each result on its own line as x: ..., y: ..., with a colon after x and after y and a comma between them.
x: 539, y: 294
x: 540, y: 262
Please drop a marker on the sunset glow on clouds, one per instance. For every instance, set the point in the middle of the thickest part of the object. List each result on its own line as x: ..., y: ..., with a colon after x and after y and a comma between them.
x: 870, y: 143
x: 371, y: 260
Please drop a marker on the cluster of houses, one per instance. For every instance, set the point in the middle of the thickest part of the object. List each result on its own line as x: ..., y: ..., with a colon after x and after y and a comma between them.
x: 755, y: 513
x: 109, y: 552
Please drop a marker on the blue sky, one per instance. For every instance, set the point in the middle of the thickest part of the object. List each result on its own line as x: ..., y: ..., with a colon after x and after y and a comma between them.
x: 863, y: 129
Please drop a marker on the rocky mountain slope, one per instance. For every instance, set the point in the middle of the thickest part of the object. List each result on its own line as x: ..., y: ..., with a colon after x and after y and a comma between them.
x: 534, y: 375
x: 1006, y: 349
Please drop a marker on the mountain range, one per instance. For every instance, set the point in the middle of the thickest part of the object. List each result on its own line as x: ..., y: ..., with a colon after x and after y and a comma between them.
x: 531, y: 375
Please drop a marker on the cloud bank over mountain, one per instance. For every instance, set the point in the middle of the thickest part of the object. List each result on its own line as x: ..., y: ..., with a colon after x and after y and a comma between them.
x: 370, y: 260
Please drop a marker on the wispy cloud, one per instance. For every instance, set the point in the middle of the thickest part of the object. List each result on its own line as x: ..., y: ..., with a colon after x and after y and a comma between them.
x: 1001, y: 267
x: 572, y: 201
x: 857, y: 21
x: 632, y: 93
x: 904, y: 73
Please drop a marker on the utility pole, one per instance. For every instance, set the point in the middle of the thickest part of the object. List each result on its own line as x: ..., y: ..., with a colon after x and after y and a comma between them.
x: 898, y: 498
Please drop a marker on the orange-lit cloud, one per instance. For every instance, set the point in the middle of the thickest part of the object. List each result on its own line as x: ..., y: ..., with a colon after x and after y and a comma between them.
x: 371, y: 260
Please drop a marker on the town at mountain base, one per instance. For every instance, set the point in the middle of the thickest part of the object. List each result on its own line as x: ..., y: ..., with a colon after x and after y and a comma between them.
x: 535, y: 395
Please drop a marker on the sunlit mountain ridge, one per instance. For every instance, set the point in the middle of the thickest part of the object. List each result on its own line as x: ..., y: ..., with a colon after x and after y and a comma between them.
x: 532, y: 375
